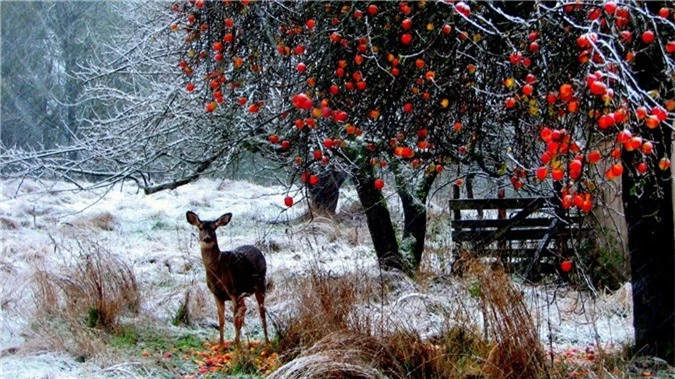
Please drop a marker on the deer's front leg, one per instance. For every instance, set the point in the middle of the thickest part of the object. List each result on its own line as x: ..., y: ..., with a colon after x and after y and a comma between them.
x: 221, y: 321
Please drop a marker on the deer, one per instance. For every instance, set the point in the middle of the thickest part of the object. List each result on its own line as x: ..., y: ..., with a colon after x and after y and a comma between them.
x: 231, y: 275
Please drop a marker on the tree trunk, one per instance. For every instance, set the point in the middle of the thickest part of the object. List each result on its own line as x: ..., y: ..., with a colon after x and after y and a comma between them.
x: 324, y: 196
x: 652, y: 258
x: 414, y: 227
x: 414, y: 216
x: 651, y: 243
x: 379, y: 223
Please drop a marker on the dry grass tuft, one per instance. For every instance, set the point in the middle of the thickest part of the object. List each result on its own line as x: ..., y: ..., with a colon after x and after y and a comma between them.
x: 103, y: 221
x: 8, y: 223
x: 324, y: 306
x: 84, y: 295
x: 340, y: 355
x: 517, y: 352
x: 338, y: 331
x: 193, y: 307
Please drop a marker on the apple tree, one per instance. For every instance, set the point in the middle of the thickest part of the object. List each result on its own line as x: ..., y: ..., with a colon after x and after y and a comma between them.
x: 561, y: 97
x: 365, y: 89
x: 592, y: 84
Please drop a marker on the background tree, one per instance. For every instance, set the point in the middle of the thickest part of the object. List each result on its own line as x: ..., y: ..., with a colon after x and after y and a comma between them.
x: 39, y: 87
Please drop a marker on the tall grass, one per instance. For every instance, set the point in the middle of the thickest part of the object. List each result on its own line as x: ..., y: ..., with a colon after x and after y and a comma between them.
x: 348, y: 326
x: 517, y: 350
x: 80, y: 296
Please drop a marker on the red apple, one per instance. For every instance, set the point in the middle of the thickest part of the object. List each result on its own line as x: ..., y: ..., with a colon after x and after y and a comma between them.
x: 648, y: 36
x: 617, y: 169
x: 211, y: 106
x: 624, y: 136
x: 605, y: 121
x: 594, y: 156
x: 463, y: 9
x: 670, y: 47
x: 546, y: 134
x: 664, y: 12
x: 566, y: 266
x: 379, y: 184
x: 664, y: 164
x: 302, y: 101
x: 647, y: 147
x: 575, y: 165
x: 288, y: 201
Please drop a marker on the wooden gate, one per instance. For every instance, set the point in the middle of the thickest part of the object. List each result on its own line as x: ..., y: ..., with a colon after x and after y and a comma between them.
x: 525, y: 233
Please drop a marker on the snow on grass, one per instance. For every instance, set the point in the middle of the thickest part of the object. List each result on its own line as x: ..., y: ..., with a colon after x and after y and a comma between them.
x: 152, y: 234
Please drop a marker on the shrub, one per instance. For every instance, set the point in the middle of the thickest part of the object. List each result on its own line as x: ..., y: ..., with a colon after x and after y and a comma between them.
x: 81, y: 296
x: 337, y: 331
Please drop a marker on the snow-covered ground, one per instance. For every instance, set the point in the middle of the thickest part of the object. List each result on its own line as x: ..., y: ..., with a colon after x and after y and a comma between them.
x: 151, y: 233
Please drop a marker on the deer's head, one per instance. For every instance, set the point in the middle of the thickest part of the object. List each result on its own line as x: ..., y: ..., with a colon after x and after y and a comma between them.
x: 207, y: 229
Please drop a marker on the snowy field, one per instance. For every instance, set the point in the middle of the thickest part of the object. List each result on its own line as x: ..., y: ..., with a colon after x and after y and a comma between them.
x: 151, y: 233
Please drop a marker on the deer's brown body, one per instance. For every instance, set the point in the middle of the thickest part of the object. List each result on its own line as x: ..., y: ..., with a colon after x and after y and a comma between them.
x: 231, y: 275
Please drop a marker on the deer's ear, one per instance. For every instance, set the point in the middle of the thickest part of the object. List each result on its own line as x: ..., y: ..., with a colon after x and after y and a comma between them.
x: 192, y: 218
x: 223, y: 220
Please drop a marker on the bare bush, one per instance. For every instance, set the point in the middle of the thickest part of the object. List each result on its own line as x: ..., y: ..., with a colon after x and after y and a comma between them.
x: 339, y: 330
x: 82, y: 296
x: 324, y: 304
x: 518, y: 352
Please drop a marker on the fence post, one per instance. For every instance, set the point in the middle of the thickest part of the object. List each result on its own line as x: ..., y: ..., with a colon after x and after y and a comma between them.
x: 501, y: 245
x: 455, y: 195
x: 469, y: 192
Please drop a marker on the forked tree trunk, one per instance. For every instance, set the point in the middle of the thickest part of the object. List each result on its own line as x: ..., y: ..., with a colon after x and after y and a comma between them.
x: 414, y: 217
x: 414, y: 228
